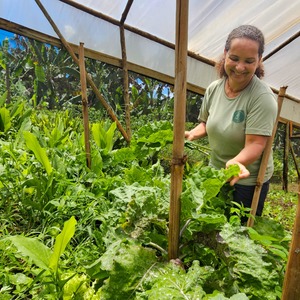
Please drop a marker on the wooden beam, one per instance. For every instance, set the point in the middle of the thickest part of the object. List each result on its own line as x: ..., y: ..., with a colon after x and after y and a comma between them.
x: 88, y: 77
x: 125, y: 83
x: 291, y: 287
x: 18, y: 29
x: 285, y: 43
x: 85, y: 112
x: 126, y: 11
x: 264, y: 162
x: 286, y: 151
x: 294, y: 158
x: 135, y: 30
x: 182, y: 7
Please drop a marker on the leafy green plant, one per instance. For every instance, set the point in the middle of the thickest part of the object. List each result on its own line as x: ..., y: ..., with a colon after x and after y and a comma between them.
x: 122, y: 208
x: 39, y: 152
x: 5, y: 121
x: 280, y: 206
x: 44, y: 258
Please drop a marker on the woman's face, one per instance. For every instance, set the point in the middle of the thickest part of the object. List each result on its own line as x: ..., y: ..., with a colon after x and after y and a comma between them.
x: 241, y: 60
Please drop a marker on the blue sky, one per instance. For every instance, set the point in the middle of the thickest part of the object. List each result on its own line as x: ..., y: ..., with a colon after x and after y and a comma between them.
x: 5, y: 34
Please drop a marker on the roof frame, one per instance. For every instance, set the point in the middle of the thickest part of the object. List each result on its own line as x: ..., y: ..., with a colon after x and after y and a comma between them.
x: 291, y: 106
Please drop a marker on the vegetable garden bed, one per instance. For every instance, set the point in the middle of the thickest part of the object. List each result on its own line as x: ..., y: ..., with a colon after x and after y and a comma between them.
x: 70, y: 232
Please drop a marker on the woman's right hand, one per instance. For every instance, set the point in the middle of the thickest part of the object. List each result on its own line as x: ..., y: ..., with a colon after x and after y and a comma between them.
x: 188, y: 135
x: 198, y: 132
x: 244, y: 172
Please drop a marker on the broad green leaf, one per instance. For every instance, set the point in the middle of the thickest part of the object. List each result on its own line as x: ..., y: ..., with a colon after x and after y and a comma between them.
x: 3, y: 99
x: 212, y: 187
x: 61, y: 242
x: 248, y: 263
x: 17, y: 109
x: 281, y: 253
x: 162, y: 137
x: 97, y: 134
x: 5, y: 121
x: 172, y: 282
x: 104, y: 139
x: 39, y: 152
x: 97, y: 163
x: 231, y: 171
x: 122, y: 155
x: 130, y: 266
x: 20, y: 279
x: 240, y: 296
x: 32, y: 248
x: 39, y: 73
x: 110, y: 136
x: 263, y: 239
x: 219, y: 296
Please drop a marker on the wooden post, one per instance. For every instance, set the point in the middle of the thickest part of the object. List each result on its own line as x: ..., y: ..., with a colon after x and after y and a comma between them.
x: 264, y: 161
x: 291, y: 286
x: 125, y: 82
x: 125, y: 69
x: 85, y: 112
x: 286, y: 158
x: 179, y: 125
x: 88, y: 77
x: 294, y: 158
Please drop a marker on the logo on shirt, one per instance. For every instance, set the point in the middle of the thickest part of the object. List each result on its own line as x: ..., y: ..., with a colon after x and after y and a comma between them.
x: 238, y: 116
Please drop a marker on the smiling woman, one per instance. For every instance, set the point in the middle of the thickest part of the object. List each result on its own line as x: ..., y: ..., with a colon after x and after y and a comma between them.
x: 238, y: 114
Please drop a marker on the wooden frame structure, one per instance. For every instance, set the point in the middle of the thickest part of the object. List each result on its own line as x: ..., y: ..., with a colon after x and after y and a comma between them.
x: 181, y: 85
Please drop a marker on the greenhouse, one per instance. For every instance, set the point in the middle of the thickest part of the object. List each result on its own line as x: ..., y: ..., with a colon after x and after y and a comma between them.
x: 101, y: 196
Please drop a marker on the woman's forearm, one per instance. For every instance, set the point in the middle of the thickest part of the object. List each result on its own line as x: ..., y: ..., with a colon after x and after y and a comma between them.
x: 252, y: 151
x: 196, y: 133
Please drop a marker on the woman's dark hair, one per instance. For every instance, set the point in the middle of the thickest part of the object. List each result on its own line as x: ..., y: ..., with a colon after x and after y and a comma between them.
x: 248, y: 32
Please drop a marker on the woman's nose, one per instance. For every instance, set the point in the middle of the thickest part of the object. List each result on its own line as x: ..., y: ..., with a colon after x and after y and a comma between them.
x: 240, y: 66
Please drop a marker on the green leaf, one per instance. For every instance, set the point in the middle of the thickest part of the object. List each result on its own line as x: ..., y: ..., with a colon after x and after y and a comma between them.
x: 129, y: 267
x: 162, y: 137
x: 104, y: 139
x: 248, y: 263
x: 32, y: 248
x: 216, y: 295
x: 231, y: 171
x: 283, y: 254
x: 172, y: 282
x: 61, y: 242
x: 39, y: 152
x: 3, y: 99
x: 263, y: 239
x: 240, y: 296
x: 5, y: 121
x: 212, y: 187
x: 110, y: 137
x: 39, y: 73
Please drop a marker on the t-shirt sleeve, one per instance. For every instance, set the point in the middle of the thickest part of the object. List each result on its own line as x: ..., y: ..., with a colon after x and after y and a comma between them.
x: 262, y: 115
x: 204, y: 110
x: 203, y: 113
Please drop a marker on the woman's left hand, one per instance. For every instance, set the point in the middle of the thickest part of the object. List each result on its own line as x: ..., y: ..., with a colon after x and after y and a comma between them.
x: 244, y: 172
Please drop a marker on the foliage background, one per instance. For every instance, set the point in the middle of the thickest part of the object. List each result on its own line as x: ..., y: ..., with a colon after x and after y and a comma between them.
x: 120, y: 205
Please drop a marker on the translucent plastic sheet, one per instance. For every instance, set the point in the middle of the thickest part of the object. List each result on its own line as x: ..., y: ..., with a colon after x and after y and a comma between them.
x: 210, y: 21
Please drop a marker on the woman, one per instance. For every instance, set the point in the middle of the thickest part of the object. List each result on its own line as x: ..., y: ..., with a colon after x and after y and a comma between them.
x: 238, y: 114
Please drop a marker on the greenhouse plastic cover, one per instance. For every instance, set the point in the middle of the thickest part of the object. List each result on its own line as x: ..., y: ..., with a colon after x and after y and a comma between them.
x: 210, y: 21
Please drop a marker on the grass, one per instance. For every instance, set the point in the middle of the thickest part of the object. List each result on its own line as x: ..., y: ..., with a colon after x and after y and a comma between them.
x: 281, y: 205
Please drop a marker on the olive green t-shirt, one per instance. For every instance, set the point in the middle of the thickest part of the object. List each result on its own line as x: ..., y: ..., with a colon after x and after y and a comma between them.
x: 228, y: 120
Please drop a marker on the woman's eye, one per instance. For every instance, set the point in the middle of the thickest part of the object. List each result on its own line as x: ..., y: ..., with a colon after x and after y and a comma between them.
x: 234, y: 58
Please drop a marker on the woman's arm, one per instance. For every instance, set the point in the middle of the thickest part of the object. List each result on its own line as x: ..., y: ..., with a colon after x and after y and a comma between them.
x: 254, y: 147
x: 198, y: 132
